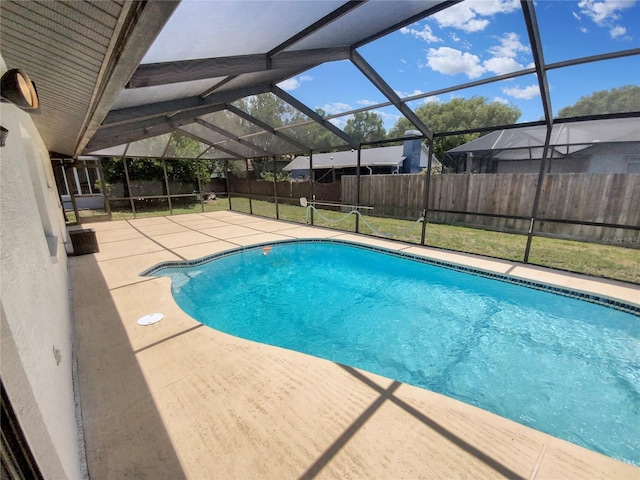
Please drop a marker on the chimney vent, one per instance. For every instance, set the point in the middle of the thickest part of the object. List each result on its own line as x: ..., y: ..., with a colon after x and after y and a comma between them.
x: 412, y: 150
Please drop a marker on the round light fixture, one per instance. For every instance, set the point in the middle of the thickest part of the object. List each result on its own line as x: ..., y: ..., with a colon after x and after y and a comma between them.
x: 17, y: 88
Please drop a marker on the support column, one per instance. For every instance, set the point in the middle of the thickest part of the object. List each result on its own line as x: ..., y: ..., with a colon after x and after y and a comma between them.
x: 536, y: 199
x: 166, y: 185
x: 226, y: 179
x: 275, y: 188
x: 358, y: 187
x: 312, y: 195
x: 105, y: 193
x: 200, y: 193
x: 126, y: 178
x: 246, y: 164
x: 427, y: 190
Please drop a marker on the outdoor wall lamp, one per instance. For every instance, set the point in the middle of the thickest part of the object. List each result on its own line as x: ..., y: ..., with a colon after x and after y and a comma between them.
x: 17, y: 88
x: 3, y: 136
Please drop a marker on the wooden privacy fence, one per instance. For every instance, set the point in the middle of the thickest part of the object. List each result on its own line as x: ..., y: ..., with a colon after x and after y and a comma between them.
x: 595, y: 202
x: 288, y: 192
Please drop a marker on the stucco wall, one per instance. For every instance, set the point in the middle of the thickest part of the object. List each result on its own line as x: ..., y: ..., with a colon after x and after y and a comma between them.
x: 36, y: 355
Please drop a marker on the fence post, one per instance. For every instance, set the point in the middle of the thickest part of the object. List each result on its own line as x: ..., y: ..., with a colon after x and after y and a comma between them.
x: 425, y: 211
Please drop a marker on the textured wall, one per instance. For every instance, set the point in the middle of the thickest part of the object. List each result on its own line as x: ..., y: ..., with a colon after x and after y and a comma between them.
x: 36, y: 355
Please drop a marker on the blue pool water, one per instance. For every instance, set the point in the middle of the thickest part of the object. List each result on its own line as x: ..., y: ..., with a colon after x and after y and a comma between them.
x: 561, y: 365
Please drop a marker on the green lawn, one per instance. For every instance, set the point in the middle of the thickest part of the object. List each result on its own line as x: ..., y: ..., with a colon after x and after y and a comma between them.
x: 608, y: 261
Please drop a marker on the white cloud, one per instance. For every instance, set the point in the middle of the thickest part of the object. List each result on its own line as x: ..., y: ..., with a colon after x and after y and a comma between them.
x: 402, y: 94
x: 450, y: 61
x: 366, y: 102
x: 425, y: 34
x: 504, y: 58
x: 524, y: 93
x: 293, y: 82
x: 501, y: 100
x: 502, y: 65
x: 388, y: 118
x: 606, y: 13
x: 333, y: 108
x: 510, y: 46
x: 340, y: 122
x: 492, y: 7
x: 462, y: 42
x: 504, y: 55
x: 603, y: 12
x: 468, y: 25
x: 459, y: 16
x: 289, y: 84
x: 467, y: 16
x: 432, y: 99
x: 617, y: 31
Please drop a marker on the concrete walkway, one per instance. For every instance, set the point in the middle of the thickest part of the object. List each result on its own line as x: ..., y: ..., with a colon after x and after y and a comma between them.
x: 180, y: 400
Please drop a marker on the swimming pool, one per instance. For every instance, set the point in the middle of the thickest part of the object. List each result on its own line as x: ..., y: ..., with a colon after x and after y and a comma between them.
x: 562, y: 365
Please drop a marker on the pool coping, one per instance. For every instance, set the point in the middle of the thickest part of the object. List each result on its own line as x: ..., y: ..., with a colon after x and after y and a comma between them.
x: 562, y: 291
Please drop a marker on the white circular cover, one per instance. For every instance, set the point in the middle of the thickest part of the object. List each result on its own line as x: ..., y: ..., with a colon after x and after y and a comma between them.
x: 150, y: 319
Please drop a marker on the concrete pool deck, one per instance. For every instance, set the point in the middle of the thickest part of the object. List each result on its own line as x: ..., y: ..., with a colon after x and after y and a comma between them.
x: 178, y: 400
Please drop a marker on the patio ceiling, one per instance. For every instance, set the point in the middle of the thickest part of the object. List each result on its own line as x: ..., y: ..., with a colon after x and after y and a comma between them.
x: 80, y: 55
x: 103, y: 85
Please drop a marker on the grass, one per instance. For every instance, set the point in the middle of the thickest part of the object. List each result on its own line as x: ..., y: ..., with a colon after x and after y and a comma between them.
x: 609, y: 261
x: 589, y: 258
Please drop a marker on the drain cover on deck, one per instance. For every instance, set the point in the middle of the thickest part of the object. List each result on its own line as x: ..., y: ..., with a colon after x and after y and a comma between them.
x: 150, y: 319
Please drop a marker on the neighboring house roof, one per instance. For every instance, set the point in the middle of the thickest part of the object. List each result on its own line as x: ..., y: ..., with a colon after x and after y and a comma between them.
x: 566, y: 138
x: 370, y: 157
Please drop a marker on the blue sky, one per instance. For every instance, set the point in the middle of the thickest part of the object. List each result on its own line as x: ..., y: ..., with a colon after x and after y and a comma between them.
x: 483, y: 38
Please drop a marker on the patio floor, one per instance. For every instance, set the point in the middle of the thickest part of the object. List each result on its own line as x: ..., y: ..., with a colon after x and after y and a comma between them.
x: 180, y: 400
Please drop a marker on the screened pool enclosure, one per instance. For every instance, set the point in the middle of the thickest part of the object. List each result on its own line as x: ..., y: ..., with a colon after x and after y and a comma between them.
x: 210, y: 101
